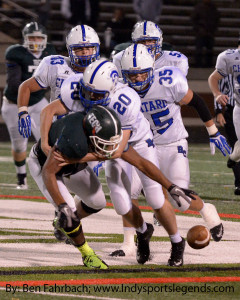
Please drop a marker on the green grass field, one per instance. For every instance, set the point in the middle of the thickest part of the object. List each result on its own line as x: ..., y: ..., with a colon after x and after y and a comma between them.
x: 214, y: 182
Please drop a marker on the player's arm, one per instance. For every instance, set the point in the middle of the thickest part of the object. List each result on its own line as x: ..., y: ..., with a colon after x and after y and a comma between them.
x: 24, y: 120
x: 213, y: 84
x: 216, y: 139
x: 49, y: 171
x: 25, y: 89
x: 14, y: 74
x: 54, y: 108
x: 92, y: 156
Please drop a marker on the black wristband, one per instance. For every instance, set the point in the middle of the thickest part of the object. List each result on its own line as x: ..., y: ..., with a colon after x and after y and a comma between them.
x: 199, y: 104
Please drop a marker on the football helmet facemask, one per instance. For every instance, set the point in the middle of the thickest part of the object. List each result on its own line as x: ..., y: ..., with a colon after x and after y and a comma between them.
x: 99, y: 80
x: 137, y: 59
x: 82, y: 36
x: 103, y: 128
x: 34, y: 29
x: 147, y: 30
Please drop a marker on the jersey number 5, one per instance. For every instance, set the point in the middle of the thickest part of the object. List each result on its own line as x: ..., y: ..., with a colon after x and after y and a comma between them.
x: 157, y: 122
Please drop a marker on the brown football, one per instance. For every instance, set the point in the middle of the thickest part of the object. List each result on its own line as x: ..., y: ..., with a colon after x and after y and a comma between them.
x: 198, y: 237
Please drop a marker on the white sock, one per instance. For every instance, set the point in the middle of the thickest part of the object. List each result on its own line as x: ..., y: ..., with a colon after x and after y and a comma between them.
x: 128, y: 233
x: 143, y: 228
x: 210, y: 215
x: 175, y: 238
x: 21, y: 170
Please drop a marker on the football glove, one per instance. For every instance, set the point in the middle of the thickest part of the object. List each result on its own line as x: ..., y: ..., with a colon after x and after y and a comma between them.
x: 24, y: 124
x: 67, y: 219
x: 219, y: 141
x: 176, y: 192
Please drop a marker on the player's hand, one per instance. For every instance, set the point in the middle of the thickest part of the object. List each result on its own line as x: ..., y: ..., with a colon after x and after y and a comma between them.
x: 219, y: 141
x: 176, y: 192
x: 220, y: 119
x: 24, y: 124
x: 67, y: 219
x: 222, y: 99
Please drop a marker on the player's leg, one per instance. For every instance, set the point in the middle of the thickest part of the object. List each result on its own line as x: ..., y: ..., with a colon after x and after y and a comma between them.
x: 163, y: 210
x: 128, y: 247
x: 175, y: 165
x: 232, y: 138
x: 76, y: 235
x: 119, y: 175
x: 18, y: 143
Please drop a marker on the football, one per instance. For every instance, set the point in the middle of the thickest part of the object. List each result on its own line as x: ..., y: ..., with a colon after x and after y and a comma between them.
x: 198, y: 237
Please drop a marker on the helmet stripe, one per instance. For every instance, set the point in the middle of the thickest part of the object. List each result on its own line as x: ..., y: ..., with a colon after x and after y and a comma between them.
x: 36, y: 25
x: 134, y: 55
x: 83, y: 33
x: 145, y: 28
x: 95, y: 71
x: 114, y: 120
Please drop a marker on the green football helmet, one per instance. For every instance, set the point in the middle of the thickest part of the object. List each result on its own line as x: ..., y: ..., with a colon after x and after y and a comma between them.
x: 103, y: 128
x: 31, y: 30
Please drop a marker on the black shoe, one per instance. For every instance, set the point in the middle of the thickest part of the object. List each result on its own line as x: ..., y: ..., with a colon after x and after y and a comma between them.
x: 176, y: 258
x: 217, y: 232
x: 22, y: 182
x: 230, y: 163
x: 155, y: 221
x: 142, y: 242
x: 237, y: 190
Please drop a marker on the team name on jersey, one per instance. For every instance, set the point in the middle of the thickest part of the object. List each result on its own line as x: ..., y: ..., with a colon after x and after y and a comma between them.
x: 153, y: 105
x: 236, y: 68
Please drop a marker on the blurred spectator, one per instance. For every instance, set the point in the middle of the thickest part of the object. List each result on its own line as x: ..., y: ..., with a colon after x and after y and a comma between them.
x: 205, y: 18
x: 75, y: 11
x: 94, y: 13
x: 149, y: 10
x: 43, y: 10
x: 118, y: 30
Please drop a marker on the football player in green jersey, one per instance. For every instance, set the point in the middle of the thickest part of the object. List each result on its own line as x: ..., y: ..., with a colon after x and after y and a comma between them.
x: 74, y: 136
x: 21, y: 61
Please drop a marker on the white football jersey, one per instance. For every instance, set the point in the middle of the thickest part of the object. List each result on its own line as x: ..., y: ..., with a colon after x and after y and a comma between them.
x: 160, y: 105
x: 124, y: 101
x: 166, y: 58
x: 51, y: 72
x: 228, y: 62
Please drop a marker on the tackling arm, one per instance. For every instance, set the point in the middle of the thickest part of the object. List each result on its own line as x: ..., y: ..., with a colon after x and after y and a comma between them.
x: 54, y: 108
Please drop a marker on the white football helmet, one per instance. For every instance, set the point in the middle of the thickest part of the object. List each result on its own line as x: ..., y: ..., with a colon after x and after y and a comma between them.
x: 33, y: 29
x: 99, y: 80
x: 82, y: 36
x: 147, y: 30
x: 138, y: 59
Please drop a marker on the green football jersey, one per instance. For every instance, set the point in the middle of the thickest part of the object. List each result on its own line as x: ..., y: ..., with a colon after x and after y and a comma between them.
x: 17, y: 54
x: 68, y: 135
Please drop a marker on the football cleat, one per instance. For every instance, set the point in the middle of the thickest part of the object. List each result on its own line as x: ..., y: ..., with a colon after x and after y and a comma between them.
x: 217, y: 232
x: 93, y: 261
x: 142, y: 242
x: 237, y: 190
x: 155, y: 221
x: 22, y: 182
x: 176, y: 257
